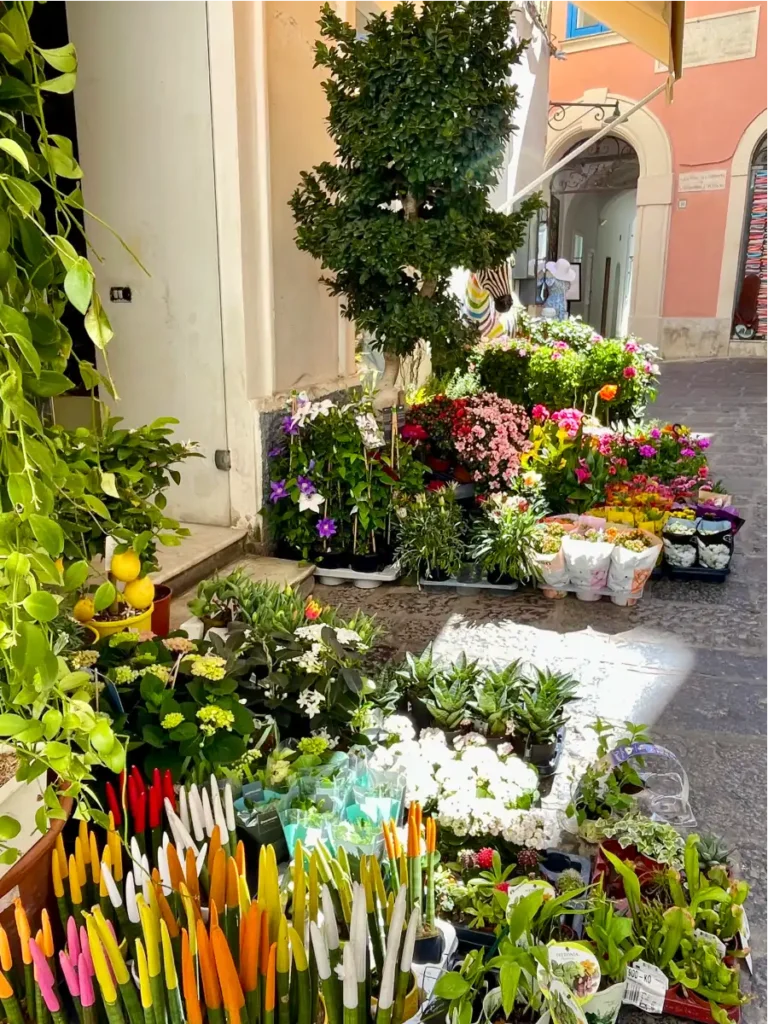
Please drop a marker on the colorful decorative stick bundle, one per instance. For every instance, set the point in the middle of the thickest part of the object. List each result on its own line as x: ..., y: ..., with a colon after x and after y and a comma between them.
x: 161, y: 946
x: 411, y: 867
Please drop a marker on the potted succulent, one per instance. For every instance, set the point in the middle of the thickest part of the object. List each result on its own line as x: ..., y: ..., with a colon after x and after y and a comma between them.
x: 494, y: 699
x: 503, y: 538
x: 541, y: 716
x: 430, y: 535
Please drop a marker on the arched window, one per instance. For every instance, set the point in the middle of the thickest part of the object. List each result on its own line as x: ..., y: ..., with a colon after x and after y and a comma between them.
x: 749, y: 319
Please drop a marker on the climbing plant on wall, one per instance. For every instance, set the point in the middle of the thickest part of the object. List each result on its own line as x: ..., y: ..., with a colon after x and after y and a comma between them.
x: 46, y: 710
x: 420, y: 109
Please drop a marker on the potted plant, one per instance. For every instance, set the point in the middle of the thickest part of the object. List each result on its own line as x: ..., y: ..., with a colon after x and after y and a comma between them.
x: 495, y: 696
x: 430, y: 535
x: 606, y: 791
x: 540, y: 716
x: 503, y: 538
x: 112, y: 609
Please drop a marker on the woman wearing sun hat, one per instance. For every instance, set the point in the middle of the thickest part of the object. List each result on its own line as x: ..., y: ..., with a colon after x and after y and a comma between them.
x: 558, y: 278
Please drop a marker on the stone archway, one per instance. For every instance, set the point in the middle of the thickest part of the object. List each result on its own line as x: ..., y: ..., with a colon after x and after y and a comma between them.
x: 655, y: 187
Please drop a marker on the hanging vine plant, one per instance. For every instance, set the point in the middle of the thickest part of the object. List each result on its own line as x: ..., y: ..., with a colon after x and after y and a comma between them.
x: 53, y: 507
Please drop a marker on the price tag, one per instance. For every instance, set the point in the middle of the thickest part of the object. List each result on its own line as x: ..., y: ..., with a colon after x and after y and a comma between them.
x: 745, y: 934
x: 646, y: 987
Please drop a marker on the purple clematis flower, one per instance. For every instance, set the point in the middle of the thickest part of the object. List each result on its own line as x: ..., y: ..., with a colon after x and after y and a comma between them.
x: 647, y: 451
x: 274, y: 452
x: 278, y: 490
x: 305, y: 485
x: 290, y: 427
x: 326, y: 527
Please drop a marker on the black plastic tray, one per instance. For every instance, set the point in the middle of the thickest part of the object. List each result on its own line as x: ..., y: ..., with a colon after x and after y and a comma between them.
x: 694, y: 573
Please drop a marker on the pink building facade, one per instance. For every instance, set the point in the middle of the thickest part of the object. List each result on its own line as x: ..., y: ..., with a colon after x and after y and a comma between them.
x: 668, y: 221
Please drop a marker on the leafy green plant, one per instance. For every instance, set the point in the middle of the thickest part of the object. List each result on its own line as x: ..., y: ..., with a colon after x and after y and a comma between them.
x: 612, y: 936
x: 603, y: 791
x: 713, y: 852
x: 654, y: 839
x: 495, y: 696
x: 485, y: 903
x: 430, y: 529
x: 46, y: 713
x: 397, y: 210
x: 461, y: 988
x: 419, y: 673
x: 541, y: 710
x: 503, y: 537
x: 128, y: 471
x: 448, y: 704
x: 219, y: 599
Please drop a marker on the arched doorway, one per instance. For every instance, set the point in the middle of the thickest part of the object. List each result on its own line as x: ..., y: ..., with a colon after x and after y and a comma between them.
x: 749, y: 317
x: 647, y: 136
x: 596, y: 196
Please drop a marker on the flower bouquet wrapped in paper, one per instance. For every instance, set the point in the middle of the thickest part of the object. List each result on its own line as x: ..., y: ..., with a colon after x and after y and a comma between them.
x: 634, y: 555
x: 588, y: 560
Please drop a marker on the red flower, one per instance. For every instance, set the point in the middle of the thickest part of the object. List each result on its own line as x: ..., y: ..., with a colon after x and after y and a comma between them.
x: 503, y: 886
x: 435, y: 485
x: 484, y: 858
x: 413, y: 432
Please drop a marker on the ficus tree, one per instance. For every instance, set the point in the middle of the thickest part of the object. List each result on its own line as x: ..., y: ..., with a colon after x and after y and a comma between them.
x: 420, y: 110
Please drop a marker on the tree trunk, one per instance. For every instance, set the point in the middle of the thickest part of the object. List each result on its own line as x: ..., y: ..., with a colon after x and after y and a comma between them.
x: 428, y: 286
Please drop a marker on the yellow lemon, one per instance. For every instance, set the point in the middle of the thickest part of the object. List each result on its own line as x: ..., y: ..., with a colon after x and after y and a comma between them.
x: 140, y: 593
x: 84, y: 610
x: 125, y: 567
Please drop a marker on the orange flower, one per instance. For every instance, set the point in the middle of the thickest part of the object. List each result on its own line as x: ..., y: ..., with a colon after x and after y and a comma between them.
x: 608, y: 392
x: 313, y: 609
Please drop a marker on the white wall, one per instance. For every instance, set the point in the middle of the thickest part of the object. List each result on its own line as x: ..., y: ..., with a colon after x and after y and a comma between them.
x: 143, y: 105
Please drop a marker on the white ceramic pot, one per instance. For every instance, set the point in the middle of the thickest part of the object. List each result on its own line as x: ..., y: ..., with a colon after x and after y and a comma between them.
x: 20, y: 800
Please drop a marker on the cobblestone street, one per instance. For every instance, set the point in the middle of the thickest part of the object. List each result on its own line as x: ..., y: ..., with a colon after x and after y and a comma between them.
x: 688, y: 660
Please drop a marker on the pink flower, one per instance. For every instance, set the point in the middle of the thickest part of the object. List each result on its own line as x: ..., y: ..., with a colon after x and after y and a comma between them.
x: 647, y: 451
x: 703, y: 442
x: 655, y: 433
x: 631, y: 346
x: 630, y: 371
x: 703, y: 472
x: 556, y: 356
x: 560, y: 344
x: 689, y: 453
x: 413, y: 432
x: 540, y: 413
x: 582, y: 474
x: 522, y: 353
x: 596, y: 337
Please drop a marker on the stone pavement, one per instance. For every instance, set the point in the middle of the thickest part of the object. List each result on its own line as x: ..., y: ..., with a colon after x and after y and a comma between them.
x: 689, y: 660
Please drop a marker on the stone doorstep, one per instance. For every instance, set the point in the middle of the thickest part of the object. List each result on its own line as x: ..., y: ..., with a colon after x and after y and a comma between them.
x: 206, y: 550
x: 263, y: 569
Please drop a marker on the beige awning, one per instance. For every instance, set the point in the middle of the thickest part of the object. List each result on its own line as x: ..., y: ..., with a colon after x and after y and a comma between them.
x: 654, y: 27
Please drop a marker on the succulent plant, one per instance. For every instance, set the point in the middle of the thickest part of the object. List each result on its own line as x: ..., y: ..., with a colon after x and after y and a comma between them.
x: 528, y: 859
x: 568, y: 880
x: 448, y: 704
x: 713, y: 852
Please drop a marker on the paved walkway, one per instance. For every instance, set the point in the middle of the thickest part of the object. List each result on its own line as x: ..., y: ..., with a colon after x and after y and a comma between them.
x: 689, y: 660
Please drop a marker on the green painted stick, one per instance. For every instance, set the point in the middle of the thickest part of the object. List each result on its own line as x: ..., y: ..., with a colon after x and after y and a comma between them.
x: 29, y: 991
x: 13, y: 1010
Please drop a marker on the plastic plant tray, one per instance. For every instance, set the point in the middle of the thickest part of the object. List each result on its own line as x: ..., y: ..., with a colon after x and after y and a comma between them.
x: 469, y: 578
x: 693, y: 1007
x: 362, y: 580
x: 603, y: 592
x: 694, y: 573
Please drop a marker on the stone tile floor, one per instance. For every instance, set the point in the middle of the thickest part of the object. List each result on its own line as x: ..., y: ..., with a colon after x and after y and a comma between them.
x: 689, y: 659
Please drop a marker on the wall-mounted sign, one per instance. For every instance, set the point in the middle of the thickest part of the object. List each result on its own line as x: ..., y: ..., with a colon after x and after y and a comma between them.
x: 701, y: 181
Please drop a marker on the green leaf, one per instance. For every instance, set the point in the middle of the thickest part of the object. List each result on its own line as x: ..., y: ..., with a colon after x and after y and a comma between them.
x: 5, y: 230
x: 75, y: 575
x: 56, y: 751
x: 50, y: 383
x: 32, y: 734
x: 41, y: 606
x: 24, y: 195
x: 451, y: 986
x: 9, y: 827
x: 61, y: 84
x: 9, y: 49
x: 224, y: 748
x: 14, y: 150
x: 97, y: 324
x: 65, y: 251
x: 11, y: 855
x: 20, y: 492
x: 104, y: 596
x: 96, y: 505
x: 51, y: 723
x: 62, y: 58
x: 12, y: 725
x: 109, y: 485
x: 78, y: 284
x: 154, y: 735
x: 183, y: 732
x: 48, y: 533
x: 101, y: 736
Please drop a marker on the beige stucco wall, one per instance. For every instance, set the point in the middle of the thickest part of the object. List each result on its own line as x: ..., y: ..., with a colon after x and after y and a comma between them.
x: 312, y: 346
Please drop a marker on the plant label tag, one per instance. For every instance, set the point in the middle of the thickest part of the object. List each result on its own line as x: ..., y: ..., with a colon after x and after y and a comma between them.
x: 745, y: 933
x: 646, y: 987
x: 109, y: 549
x: 712, y: 939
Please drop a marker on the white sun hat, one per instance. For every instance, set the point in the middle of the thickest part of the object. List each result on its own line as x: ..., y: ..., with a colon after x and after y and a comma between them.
x: 562, y: 270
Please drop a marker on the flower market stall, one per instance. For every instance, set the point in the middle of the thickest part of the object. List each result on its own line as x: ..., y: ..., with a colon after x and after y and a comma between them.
x: 472, y: 481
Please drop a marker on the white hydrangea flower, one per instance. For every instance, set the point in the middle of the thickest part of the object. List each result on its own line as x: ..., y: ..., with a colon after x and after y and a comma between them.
x: 312, y: 632
x: 349, y: 637
x: 399, y: 725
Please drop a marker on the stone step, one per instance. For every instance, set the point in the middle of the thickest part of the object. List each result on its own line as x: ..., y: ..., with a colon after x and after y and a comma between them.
x: 206, y: 550
x: 282, y: 571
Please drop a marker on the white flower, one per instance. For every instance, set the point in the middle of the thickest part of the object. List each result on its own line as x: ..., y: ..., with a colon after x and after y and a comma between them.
x: 320, y: 408
x: 469, y: 739
x: 310, y: 502
x: 400, y: 726
x: 349, y: 637
x: 309, y: 701
x: 311, y: 632
x: 310, y: 660
x: 434, y: 736
x: 369, y: 430
x: 504, y: 749
x: 531, y: 478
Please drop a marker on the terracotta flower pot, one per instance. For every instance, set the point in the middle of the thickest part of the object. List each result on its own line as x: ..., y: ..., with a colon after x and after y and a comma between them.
x: 161, y: 611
